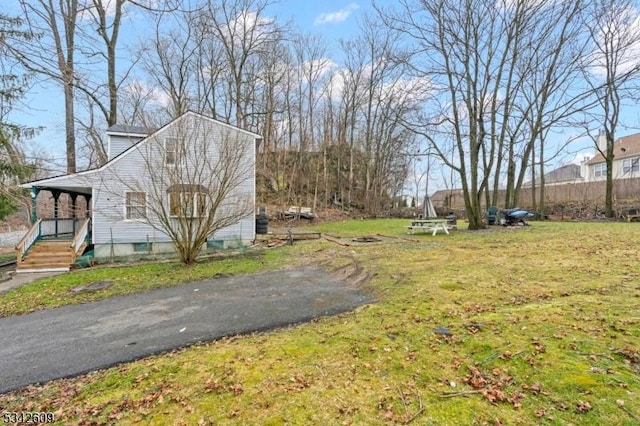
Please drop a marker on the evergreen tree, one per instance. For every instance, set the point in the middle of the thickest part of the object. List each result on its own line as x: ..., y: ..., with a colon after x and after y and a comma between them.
x: 13, y: 167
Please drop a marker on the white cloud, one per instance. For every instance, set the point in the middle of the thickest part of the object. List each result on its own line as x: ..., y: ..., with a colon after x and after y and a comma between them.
x: 89, y: 9
x: 246, y: 22
x: 336, y: 17
x: 317, y: 68
x: 139, y: 90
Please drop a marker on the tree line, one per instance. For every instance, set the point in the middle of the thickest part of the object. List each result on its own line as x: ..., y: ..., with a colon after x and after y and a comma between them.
x: 476, y: 87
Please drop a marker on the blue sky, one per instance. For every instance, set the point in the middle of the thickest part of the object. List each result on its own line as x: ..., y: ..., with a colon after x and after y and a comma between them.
x: 333, y: 19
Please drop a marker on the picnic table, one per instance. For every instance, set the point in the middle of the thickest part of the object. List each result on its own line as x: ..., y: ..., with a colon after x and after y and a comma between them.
x: 426, y: 225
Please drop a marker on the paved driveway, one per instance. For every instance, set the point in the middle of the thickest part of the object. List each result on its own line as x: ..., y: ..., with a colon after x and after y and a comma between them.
x: 76, y: 339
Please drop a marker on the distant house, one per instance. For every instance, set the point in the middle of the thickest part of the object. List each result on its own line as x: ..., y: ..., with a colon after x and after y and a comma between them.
x: 446, y: 199
x: 567, y: 174
x: 626, y: 162
x: 117, y: 194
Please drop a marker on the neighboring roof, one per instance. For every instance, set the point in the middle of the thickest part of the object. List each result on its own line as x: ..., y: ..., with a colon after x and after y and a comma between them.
x: 52, y: 180
x: 563, y: 173
x: 130, y: 130
x: 625, y: 147
x: 444, y: 193
x: 568, y: 172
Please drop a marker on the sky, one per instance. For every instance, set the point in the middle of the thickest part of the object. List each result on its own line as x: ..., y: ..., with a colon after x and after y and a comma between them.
x: 332, y: 19
x: 44, y: 108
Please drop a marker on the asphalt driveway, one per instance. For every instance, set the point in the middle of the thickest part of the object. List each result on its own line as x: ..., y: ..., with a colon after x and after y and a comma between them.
x: 76, y: 339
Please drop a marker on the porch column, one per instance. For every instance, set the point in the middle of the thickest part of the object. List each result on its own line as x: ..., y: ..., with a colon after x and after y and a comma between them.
x: 56, y: 199
x: 87, y: 199
x: 73, y: 196
x: 34, y: 212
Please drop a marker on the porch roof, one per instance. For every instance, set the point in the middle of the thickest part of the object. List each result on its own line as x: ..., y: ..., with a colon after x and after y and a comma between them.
x: 73, y: 183
x: 67, y: 189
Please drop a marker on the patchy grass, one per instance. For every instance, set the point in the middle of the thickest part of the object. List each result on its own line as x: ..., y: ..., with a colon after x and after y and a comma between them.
x: 7, y: 257
x: 57, y: 291
x: 537, y: 325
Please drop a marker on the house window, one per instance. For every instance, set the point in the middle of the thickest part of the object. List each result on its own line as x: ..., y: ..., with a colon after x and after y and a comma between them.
x: 170, y: 151
x: 136, y: 205
x: 189, y: 201
x: 142, y: 247
x: 631, y: 165
x: 600, y: 170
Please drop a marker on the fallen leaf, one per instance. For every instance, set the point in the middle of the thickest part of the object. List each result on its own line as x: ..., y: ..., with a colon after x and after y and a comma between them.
x: 583, y: 406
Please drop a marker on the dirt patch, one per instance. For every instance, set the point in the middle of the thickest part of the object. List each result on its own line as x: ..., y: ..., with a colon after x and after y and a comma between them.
x: 350, y: 270
x: 91, y: 287
x: 366, y: 240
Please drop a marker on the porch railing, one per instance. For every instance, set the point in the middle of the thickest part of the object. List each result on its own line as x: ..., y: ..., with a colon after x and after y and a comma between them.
x: 59, y: 227
x: 78, y: 229
x: 80, y: 238
x: 27, y: 241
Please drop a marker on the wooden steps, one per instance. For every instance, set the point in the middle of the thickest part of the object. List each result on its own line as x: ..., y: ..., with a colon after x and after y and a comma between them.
x: 47, y: 256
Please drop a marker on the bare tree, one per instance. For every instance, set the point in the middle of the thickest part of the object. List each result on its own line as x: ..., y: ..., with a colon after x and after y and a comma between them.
x: 101, y: 80
x: 107, y: 20
x: 548, y: 94
x: 53, y: 54
x: 351, y: 78
x: 13, y: 85
x: 609, y: 70
x: 312, y: 66
x: 170, y: 60
x: 244, y: 32
x: 493, y: 68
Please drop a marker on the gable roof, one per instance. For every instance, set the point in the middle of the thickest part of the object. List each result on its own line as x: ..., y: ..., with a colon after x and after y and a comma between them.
x: 53, y: 180
x: 568, y: 172
x: 625, y: 147
x: 563, y: 173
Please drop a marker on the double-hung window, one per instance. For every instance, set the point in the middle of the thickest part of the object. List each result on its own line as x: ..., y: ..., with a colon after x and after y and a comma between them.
x: 631, y: 165
x: 135, y: 205
x: 171, y: 151
x: 187, y: 201
x: 599, y: 170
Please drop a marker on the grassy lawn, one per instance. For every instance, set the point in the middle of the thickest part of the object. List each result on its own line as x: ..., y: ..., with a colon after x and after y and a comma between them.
x: 537, y: 325
x: 58, y: 291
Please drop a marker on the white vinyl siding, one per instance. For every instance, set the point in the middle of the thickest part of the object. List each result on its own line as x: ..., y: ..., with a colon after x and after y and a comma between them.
x: 118, y: 144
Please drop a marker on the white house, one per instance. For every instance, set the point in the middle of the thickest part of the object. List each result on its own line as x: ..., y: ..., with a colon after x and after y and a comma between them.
x: 144, y: 167
x: 626, y: 162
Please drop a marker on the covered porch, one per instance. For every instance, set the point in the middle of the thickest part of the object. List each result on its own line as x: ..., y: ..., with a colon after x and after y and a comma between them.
x: 62, y: 233
x: 63, y: 222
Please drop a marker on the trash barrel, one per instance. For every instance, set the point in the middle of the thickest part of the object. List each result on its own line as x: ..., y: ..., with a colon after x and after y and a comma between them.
x: 262, y: 221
